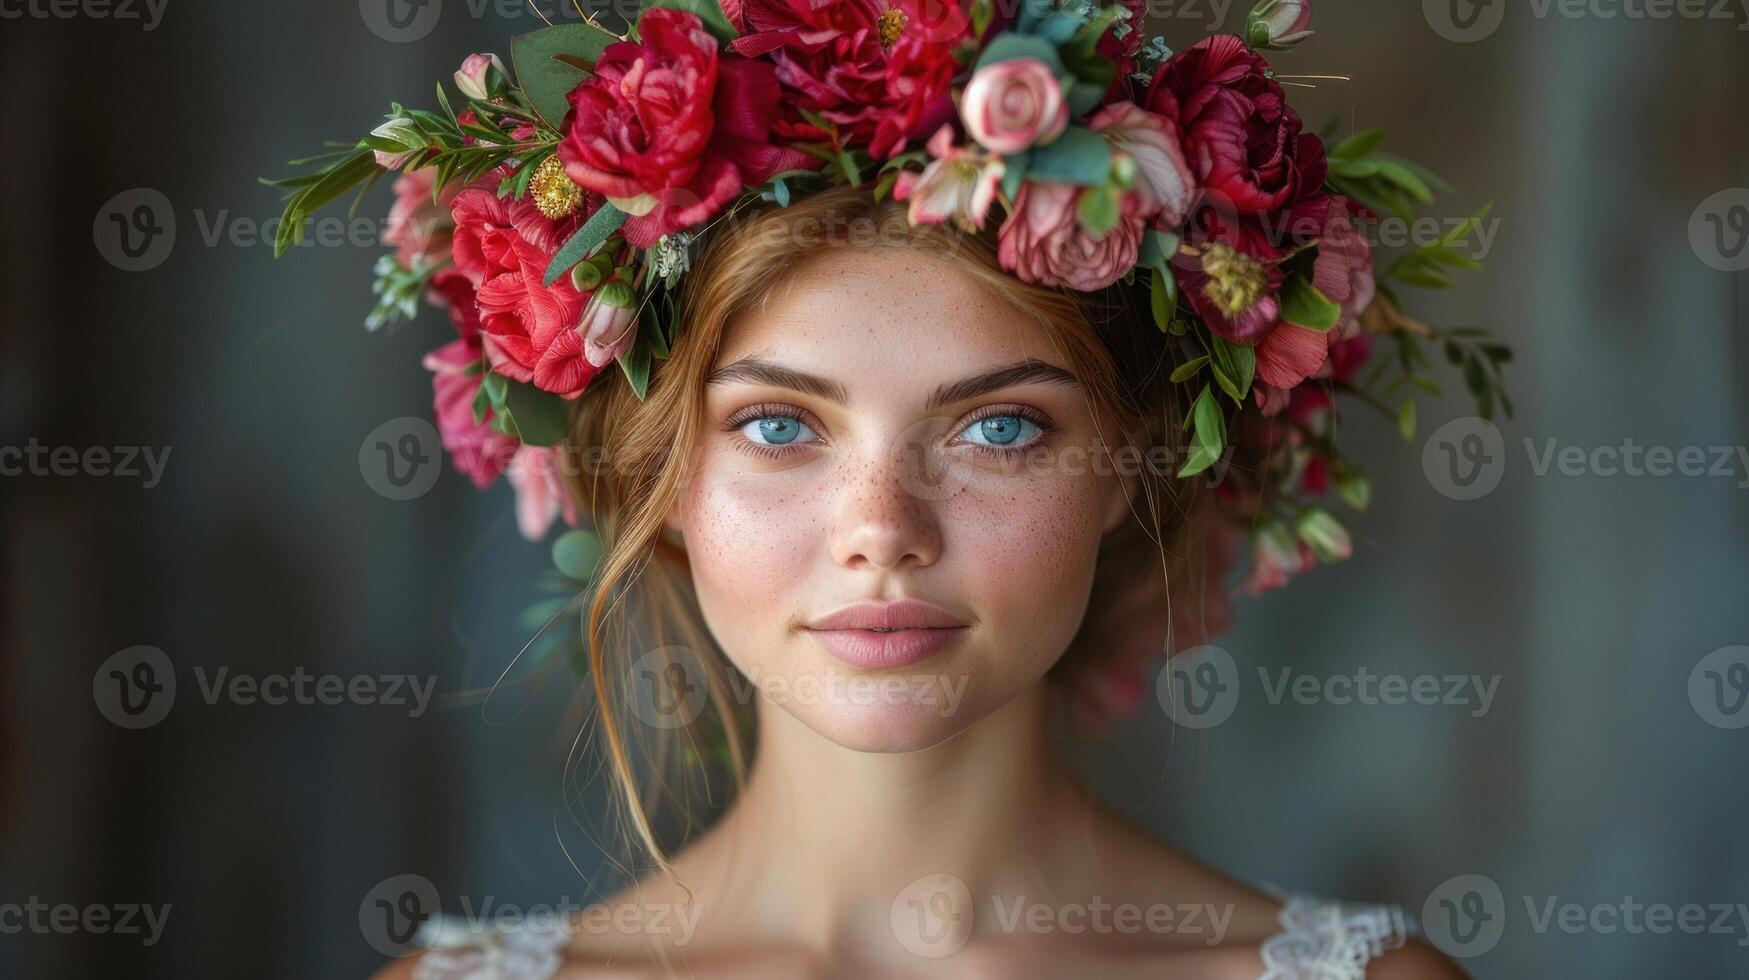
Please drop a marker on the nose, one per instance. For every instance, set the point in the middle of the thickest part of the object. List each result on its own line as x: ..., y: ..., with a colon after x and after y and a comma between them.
x: 880, y: 522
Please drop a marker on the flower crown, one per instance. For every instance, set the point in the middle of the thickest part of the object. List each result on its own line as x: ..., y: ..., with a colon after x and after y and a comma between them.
x: 555, y: 215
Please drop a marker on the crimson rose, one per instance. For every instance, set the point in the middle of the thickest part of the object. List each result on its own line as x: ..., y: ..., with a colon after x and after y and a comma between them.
x: 880, y: 71
x: 670, y: 132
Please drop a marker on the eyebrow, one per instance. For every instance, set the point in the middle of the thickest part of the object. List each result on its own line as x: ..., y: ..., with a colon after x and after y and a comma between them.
x: 753, y: 370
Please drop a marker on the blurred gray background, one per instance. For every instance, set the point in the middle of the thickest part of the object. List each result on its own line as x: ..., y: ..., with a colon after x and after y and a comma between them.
x: 1610, y: 767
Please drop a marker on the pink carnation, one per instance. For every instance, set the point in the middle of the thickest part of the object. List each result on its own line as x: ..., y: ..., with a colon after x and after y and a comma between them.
x: 504, y: 246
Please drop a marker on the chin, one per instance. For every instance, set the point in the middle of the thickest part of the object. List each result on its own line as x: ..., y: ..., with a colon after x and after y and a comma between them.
x: 886, y: 711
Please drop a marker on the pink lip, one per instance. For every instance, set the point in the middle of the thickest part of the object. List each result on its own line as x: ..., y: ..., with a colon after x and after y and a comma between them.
x: 913, y: 632
x: 874, y: 651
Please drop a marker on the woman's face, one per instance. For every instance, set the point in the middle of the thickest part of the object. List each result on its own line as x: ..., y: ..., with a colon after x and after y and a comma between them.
x: 883, y: 430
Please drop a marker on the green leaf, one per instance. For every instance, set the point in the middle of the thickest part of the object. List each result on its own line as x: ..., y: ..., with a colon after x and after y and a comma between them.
x: 1400, y: 174
x: 1158, y: 247
x: 601, y: 224
x: 1210, y: 434
x: 1303, y: 306
x: 1008, y: 45
x: 635, y: 363
x: 577, y: 554
x: 1189, y: 369
x: 540, y: 416
x: 1097, y: 209
x: 1358, y: 145
x: 1014, y: 171
x: 1235, y: 366
x: 1355, y: 490
x: 550, y: 62
x: 709, y: 12
x: 1079, y: 156
x: 1162, y: 296
x: 1406, y: 419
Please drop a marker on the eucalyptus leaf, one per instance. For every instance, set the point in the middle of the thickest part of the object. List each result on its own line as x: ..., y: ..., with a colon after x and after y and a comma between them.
x: 549, y: 64
x: 1079, y: 156
x: 540, y: 415
x: 577, y: 554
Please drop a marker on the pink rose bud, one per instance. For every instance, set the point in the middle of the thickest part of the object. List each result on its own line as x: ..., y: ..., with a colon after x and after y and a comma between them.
x: 1014, y: 104
x: 1279, y: 24
x: 475, y: 78
x: 608, y: 329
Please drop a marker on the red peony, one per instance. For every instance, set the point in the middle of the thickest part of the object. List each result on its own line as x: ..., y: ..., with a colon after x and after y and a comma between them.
x: 670, y: 132
x: 528, y: 330
x: 880, y: 71
x: 1242, y: 139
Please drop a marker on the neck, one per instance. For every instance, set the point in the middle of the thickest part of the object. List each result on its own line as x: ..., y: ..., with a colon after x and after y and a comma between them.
x: 993, y: 806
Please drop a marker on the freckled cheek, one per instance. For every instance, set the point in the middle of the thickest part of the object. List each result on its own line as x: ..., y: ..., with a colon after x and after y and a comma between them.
x: 1030, y: 549
x: 751, y: 541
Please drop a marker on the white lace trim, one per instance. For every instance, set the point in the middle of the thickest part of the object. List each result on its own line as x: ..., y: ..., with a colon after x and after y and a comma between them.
x: 1320, y: 940
x: 1325, y: 940
x: 456, y: 951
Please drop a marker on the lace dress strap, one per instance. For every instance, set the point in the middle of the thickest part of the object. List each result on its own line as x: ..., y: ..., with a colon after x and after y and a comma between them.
x: 1328, y: 940
x: 455, y: 950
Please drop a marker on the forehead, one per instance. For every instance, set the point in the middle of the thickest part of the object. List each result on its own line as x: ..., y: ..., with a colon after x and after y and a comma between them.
x: 886, y: 314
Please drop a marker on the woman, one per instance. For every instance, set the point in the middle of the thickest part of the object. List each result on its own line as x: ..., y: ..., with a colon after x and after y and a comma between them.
x: 885, y: 481
x: 891, y: 488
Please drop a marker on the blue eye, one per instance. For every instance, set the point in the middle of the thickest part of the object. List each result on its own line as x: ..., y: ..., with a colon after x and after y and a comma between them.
x: 775, y: 430
x: 1001, y: 431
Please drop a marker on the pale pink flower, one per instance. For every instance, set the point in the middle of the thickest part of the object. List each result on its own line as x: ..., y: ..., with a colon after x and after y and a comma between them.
x: 607, y: 330
x: 1014, y: 104
x: 419, y: 227
x: 474, y: 77
x: 1151, y: 140
x: 959, y: 185
x: 541, y: 494
x: 1279, y: 24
